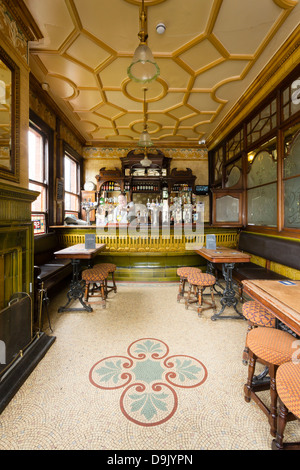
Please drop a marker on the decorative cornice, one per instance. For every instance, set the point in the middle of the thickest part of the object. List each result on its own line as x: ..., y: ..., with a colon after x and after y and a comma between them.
x: 35, y: 87
x: 17, y: 193
x: 115, y: 153
x: 23, y: 17
x: 161, y: 145
x: 281, y: 64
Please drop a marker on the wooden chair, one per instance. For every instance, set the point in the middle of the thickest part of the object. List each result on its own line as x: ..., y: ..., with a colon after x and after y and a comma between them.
x: 256, y: 315
x: 198, y: 282
x: 288, y: 388
x: 95, y: 280
x: 273, y: 348
x: 183, y: 273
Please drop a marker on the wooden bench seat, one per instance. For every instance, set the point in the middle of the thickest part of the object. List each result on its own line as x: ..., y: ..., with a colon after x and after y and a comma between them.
x: 48, y: 271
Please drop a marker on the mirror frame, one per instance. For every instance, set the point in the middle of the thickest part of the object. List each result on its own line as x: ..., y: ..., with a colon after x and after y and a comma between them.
x: 13, y: 173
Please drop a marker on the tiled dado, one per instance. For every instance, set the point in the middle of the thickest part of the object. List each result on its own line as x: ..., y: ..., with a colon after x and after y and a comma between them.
x: 16, y: 241
x: 16, y: 276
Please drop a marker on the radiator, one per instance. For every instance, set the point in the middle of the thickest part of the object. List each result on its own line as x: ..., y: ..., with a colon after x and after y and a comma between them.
x: 15, y: 330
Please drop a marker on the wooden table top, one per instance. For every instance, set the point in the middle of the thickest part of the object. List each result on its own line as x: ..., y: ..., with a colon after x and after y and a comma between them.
x: 223, y: 255
x: 282, y: 298
x: 79, y: 251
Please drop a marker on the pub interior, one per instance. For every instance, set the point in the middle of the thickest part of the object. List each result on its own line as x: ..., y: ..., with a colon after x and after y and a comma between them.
x: 147, y: 206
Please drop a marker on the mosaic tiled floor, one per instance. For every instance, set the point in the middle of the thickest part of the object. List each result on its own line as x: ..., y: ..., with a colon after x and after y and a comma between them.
x: 150, y: 376
x: 142, y: 374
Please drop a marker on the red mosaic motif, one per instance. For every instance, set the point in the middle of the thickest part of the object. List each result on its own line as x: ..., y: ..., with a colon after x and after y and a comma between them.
x: 149, y: 376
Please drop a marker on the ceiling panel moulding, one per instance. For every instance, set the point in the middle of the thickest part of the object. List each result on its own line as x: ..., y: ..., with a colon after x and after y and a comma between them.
x: 207, y: 64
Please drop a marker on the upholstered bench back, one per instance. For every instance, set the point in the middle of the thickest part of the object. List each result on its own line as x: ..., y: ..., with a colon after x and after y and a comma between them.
x: 44, y: 247
x: 278, y: 250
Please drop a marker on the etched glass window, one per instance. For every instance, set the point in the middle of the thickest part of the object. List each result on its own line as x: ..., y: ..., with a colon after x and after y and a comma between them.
x: 262, y: 205
x: 233, y: 174
x: 292, y: 178
x: 227, y: 209
x: 263, y: 170
x: 262, y: 186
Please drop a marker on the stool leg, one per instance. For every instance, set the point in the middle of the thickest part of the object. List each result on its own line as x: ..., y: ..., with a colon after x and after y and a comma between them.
x: 251, y: 369
x: 277, y: 443
x: 187, y: 300
x: 213, y: 298
x: 246, y: 349
x: 114, y: 282
x: 181, y: 289
x: 102, y: 289
x: 86, y: 292
x: 274, y: 396
x: 200, y: 299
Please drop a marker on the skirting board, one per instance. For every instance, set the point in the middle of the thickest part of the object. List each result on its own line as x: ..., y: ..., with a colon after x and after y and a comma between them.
x: 20, y: 371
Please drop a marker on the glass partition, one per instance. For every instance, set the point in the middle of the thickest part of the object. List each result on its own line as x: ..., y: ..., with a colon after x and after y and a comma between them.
x: 291, y: 171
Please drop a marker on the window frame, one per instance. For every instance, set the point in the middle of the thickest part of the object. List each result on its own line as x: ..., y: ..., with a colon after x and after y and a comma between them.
x: 35, y: 126
x: 72, y: 155
x: 278, y: 132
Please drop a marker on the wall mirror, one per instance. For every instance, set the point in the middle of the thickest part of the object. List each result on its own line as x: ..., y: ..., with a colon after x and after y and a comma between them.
x: 9, y: 118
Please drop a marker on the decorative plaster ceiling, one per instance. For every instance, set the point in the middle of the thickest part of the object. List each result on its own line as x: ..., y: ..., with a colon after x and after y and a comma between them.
x: 210, y: 53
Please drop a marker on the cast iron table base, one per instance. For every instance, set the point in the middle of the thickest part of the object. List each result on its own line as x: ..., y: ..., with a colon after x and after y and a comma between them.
x: 228, y: 296
x: 76, y: 291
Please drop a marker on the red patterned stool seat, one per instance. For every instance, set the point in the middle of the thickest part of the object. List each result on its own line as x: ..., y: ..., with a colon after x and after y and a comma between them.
x: 186, y: 270
x: 271, y: 347
x: 288, y: 388
x: 95, y: 276
x: 183, y: 273
x: 110, y: 268
x: 258, y: 315
x: 106, y: 266
x: 199, y: 281
x: 202, y: 279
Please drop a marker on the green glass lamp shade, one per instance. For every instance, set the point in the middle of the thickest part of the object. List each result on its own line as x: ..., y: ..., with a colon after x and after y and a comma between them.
x: 143, y: 68
x: 145, y: 140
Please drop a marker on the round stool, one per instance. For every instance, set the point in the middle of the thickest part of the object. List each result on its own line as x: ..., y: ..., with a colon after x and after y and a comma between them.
x: 199, y: 281
x: 256, y: 315
x: 111, y: 268
x: 288, y: 388
x: 95, y: 276
x: 271, y: 347
x: 183, y: 274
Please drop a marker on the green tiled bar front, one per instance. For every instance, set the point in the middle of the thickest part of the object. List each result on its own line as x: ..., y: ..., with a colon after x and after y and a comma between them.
x: 149, y: 260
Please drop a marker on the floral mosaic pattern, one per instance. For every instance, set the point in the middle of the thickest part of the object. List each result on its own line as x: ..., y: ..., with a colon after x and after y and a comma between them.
x: 149, y: 377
